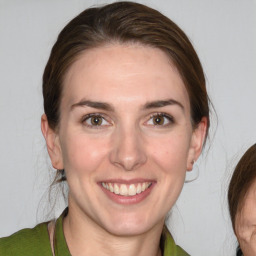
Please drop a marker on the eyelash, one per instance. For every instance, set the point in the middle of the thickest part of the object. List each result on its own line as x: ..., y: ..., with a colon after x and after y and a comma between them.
x: 100, y: 126
x: 87, y: 117
x: 167, y: 116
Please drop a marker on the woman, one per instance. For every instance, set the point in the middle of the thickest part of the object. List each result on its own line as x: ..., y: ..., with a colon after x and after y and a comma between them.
x: 126, y: 115
x: 241, y: 199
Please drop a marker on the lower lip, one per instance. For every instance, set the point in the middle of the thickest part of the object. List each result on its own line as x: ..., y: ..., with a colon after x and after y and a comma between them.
x: 127, y: 200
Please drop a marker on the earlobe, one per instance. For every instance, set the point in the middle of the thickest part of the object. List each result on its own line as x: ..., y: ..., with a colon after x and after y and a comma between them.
x: 52, y: 142
x: 197, y: 142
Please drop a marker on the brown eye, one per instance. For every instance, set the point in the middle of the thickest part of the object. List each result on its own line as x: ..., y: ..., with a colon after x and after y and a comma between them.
x: 96, y: 120
x: 161, y: 120
x: 158, y: 120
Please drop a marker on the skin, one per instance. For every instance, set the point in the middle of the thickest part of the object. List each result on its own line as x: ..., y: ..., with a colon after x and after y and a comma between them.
x: 245, y: 223
x: 127, y: 146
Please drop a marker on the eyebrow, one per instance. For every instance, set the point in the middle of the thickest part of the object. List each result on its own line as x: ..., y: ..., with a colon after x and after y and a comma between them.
x: 93, y: 104
x: 162, y: 103
x: 109, y: 107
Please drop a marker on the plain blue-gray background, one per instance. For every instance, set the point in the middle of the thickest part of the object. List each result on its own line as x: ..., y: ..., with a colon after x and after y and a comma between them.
x: 223, y: 33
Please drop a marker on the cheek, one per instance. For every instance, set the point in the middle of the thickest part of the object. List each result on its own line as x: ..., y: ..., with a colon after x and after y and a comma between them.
x: 83, y: 154
x: 171, y: 152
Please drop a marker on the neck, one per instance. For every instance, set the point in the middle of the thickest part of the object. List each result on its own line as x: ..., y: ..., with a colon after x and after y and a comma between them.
x: 84, y: 237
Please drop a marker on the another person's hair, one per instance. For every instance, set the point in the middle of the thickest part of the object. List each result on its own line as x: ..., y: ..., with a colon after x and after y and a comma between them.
x: 241, y: 181
x: 123, y: 23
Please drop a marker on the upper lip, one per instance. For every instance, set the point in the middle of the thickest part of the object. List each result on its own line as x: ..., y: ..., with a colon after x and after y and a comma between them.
x: 126, y: 181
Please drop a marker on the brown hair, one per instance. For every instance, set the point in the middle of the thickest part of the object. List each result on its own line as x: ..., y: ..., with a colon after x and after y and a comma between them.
x: 241, y: 181
x: 123, y: 22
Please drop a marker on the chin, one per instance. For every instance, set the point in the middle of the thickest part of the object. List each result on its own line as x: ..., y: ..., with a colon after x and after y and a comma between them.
x: 127, y: 230
x: 132, y: 226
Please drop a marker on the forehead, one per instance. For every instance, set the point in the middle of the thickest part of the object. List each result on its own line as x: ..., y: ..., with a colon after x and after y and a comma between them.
x: 125, y: 72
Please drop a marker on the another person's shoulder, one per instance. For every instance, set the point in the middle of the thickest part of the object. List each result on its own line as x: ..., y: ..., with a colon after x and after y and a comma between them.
x: 29, y: 242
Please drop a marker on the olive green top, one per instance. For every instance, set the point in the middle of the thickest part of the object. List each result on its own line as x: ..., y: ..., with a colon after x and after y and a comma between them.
x: 35, y: 242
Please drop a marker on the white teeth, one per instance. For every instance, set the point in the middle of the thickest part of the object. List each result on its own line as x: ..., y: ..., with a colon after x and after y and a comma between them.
x: 138, y: 189
x: 123, y: 190
x: 132, y: 190
x: 116, y: 189
x: 111, y: 187
x: 126, y: 190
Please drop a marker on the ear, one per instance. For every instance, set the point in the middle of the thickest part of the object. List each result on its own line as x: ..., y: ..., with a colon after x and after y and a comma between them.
x: 53, y: 144
x: 197, y: 142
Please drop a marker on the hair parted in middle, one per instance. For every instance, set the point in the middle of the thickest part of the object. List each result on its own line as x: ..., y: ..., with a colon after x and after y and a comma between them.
x: 124, y: 23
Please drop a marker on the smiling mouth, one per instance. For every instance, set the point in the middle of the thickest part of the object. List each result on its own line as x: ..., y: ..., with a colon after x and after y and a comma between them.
x: 126, y: 189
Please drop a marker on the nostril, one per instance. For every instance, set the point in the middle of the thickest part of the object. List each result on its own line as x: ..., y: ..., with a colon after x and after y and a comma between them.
x: 128, y: 159
x: 128, y: 163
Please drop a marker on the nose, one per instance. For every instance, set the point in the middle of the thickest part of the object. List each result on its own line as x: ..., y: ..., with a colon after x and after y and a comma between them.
x: 128, y: 150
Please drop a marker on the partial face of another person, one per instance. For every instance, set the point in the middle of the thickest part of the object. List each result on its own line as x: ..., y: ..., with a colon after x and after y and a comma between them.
x: 125, y: 137
x: 245, y: 223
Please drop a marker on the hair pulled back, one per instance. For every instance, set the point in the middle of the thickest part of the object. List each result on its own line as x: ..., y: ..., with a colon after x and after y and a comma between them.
x: 123, y: 22
x: 241, y: 181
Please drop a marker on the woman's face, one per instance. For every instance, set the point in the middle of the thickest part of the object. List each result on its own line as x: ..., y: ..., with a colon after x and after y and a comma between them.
x: 125, y: 137
x: 245, y: 223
